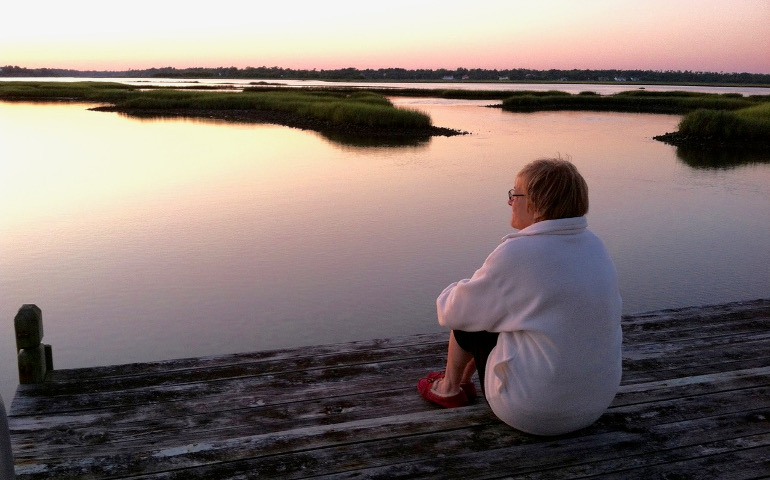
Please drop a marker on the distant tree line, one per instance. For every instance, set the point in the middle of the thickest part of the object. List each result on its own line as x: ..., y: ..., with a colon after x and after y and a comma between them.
x: 401, y: 74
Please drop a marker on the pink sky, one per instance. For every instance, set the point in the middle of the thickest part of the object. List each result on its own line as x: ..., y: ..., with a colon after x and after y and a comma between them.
x: 698, y: 35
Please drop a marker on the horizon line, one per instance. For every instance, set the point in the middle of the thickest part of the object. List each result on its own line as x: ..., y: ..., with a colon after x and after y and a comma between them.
x: 385, y: 68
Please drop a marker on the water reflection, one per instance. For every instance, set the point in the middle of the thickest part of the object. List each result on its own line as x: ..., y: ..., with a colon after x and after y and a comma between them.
x: 156, y: 117
x: 369, y: 142
x: 721, y: 157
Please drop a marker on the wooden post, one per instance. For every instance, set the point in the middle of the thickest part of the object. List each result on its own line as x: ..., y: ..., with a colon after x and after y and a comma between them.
x: 35, y: 358
x: 6, y: 454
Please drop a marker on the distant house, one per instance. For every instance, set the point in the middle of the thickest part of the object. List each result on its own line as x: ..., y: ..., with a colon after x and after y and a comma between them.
x: 503, y: 79
x: 448, y: 77
x: 466, y: 77
x: 620, y: 79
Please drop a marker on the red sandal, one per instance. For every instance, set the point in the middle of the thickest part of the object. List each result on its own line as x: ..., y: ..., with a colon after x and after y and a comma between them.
x: 424, y: 386
x: 468, y: 387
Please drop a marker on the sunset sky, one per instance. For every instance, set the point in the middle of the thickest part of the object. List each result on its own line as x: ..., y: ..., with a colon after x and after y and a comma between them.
x: 698, y: 35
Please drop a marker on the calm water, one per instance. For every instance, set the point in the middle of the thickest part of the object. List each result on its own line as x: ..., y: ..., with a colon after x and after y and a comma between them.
x: 602, y: 89
x: 150, y: 239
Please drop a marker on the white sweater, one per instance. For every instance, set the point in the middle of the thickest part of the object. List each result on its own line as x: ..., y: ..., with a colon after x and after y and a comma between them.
x: 551, y: 290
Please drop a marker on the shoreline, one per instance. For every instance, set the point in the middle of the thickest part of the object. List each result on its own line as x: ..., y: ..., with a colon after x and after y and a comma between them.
x: 693, y: 142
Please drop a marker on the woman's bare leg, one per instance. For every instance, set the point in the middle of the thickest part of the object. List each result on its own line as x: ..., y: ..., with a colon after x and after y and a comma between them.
x: 470, y: 369
x: 459, y: 368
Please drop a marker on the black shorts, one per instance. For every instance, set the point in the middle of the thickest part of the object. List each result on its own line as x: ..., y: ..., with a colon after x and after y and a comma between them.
x: 480, y: 344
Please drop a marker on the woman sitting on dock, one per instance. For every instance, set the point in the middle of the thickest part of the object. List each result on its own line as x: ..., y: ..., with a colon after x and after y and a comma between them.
x: 541, y: 318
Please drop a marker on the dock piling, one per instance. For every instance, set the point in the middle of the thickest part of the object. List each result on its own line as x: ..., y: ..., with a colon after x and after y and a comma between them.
x: 6, y: 454
x: 35, y: 358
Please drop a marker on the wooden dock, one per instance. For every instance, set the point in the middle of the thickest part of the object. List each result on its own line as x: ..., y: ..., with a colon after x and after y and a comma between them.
x: 694, y: 403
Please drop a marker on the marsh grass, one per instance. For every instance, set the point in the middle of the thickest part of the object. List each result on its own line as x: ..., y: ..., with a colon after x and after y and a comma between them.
x: 63, y: 91
x: 747, y: 124
x: 641, y: 101
x: 757, y: 113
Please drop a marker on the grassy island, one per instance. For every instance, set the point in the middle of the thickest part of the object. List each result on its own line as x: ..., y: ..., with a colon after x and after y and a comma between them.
x: 336, y: 113
x: 641, y: 101
x: 750, y: 126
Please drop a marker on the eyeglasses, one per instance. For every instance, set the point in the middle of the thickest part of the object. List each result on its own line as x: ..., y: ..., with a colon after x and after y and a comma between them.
x: 512, y: 193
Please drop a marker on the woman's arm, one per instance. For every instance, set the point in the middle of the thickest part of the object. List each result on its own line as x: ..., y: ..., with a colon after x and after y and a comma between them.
x: 478, y: 303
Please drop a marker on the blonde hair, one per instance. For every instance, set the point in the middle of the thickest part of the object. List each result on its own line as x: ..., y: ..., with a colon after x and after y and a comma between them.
x: 555, y: 189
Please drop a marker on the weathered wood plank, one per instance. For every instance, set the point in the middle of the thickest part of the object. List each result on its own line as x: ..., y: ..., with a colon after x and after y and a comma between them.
x: 626, y: 462
x: 735, y: 464
x: 167, y: 367
x: 702, y: 328
x: 234, y: 370
x: 759, y: 308
x: 631, y: 463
